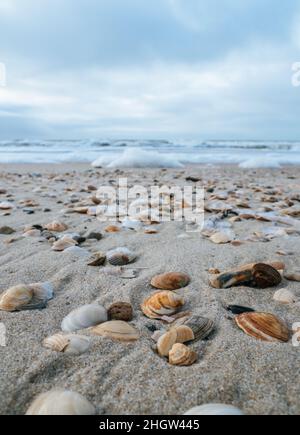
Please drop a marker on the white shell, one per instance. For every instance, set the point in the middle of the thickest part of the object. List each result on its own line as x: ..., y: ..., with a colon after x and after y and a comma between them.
x: 285, y: 296
x: 84, y: 317
x: 61, y: 403
x: 6, y: 206
x: 69, y: 344
x: 214, y: 409
x: 120, y: 257
x: 131, y: 224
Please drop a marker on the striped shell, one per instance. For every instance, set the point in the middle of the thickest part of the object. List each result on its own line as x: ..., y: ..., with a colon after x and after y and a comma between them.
x: 263, y: 326
x: 68, y: 344
x: 84, y: 317
x: 120, y: 257
x: 61, y: 403
x: 181, y: 355
x: 26, y: 297
x: 162, y: 304
x: 170, y: 281
x: 117, y: 330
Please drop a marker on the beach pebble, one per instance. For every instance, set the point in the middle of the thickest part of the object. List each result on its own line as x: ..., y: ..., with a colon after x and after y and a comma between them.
x: 6, y: 231
x: 120, y: 311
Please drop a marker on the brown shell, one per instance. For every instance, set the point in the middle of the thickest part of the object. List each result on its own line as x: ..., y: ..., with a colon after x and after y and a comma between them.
x: 266, y: 276
x: 170, y: 281
x: 117, y: 330
x: 112, y: 229
x: 97, y: 259
x: 121, y: 311
x: 166, y: 342
x: 181, y: 355
x: 162, y: 304
x: 57, y: 227
x: 263, y: 326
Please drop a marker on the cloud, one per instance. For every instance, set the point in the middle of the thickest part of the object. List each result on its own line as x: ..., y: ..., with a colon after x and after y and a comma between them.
x: 149, y: 69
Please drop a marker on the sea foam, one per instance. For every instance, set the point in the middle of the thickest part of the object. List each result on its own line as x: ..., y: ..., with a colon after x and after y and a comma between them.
x: 260, y: 163
x: 135, y: 158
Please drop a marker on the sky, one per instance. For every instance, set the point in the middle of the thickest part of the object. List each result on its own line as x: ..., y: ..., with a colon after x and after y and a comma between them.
x: 193, y: 69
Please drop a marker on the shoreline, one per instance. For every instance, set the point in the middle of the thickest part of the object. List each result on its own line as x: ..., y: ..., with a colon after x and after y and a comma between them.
x: 128, y: 379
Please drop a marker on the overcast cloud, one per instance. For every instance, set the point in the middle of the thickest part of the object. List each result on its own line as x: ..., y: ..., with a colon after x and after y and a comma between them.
x: 150, y: 69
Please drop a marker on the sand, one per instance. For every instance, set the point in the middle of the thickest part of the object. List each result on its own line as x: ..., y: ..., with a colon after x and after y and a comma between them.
x: 127, y: 379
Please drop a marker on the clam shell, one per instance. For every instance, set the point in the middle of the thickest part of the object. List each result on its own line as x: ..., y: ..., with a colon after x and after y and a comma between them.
x: 263, y: 326
x: 293, y: 276
x: 120, y: 257
x: 84, y: 317
x: 220, y: 238
x: 26, y: 297
x: 112, y: 229
x: 285, y: 296
x: 63, y: 244
x: 68, y: 344
x: 214, y: 409
x: 200, y: 326
x: 97, y: 259
x: 170, y: 281
x: 61, y: 403
x: 162, y: 304
x: 56, y: 227
x: 166, y: 342
x: 266, y: 276
x: 181, y: 355
x: 117, y: 330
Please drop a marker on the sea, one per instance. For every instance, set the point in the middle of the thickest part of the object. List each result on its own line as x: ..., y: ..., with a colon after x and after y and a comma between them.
x: 143, y: 153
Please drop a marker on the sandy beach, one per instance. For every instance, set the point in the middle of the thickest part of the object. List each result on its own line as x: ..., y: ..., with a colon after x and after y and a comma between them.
x: 128, y: 379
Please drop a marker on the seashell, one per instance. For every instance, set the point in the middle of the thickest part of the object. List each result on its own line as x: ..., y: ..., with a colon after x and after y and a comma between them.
x: 162, y: 304
x: 6, y: 231
x: 170, y: 281
x: 181, y: 355
x: 200, y: 326
x: 266, y: 276
x: 26, y: 297
x: 166, y: 342
x: 150, y: 231
x: 112, y: 229
x: 259, y: 275
x: 6, y: 206
x: 293, y: 276
x: 263, y: 326
x: 132, y: 224
x: 120, y: 311
x: 237, y: 309
x: 61, y: 403
x: 94, y: 236
x: 285, y: 296
x: 120, y: 257
x: 117, y: 330
x: 56, y: 227
x: 68, y: 344
x: 77, y: 251
x: 97, y: 259
x: 221, y: 238
x: 63, y: 244
x: 214, y: 409
x: 84, y: 317
x: 32, y: 233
